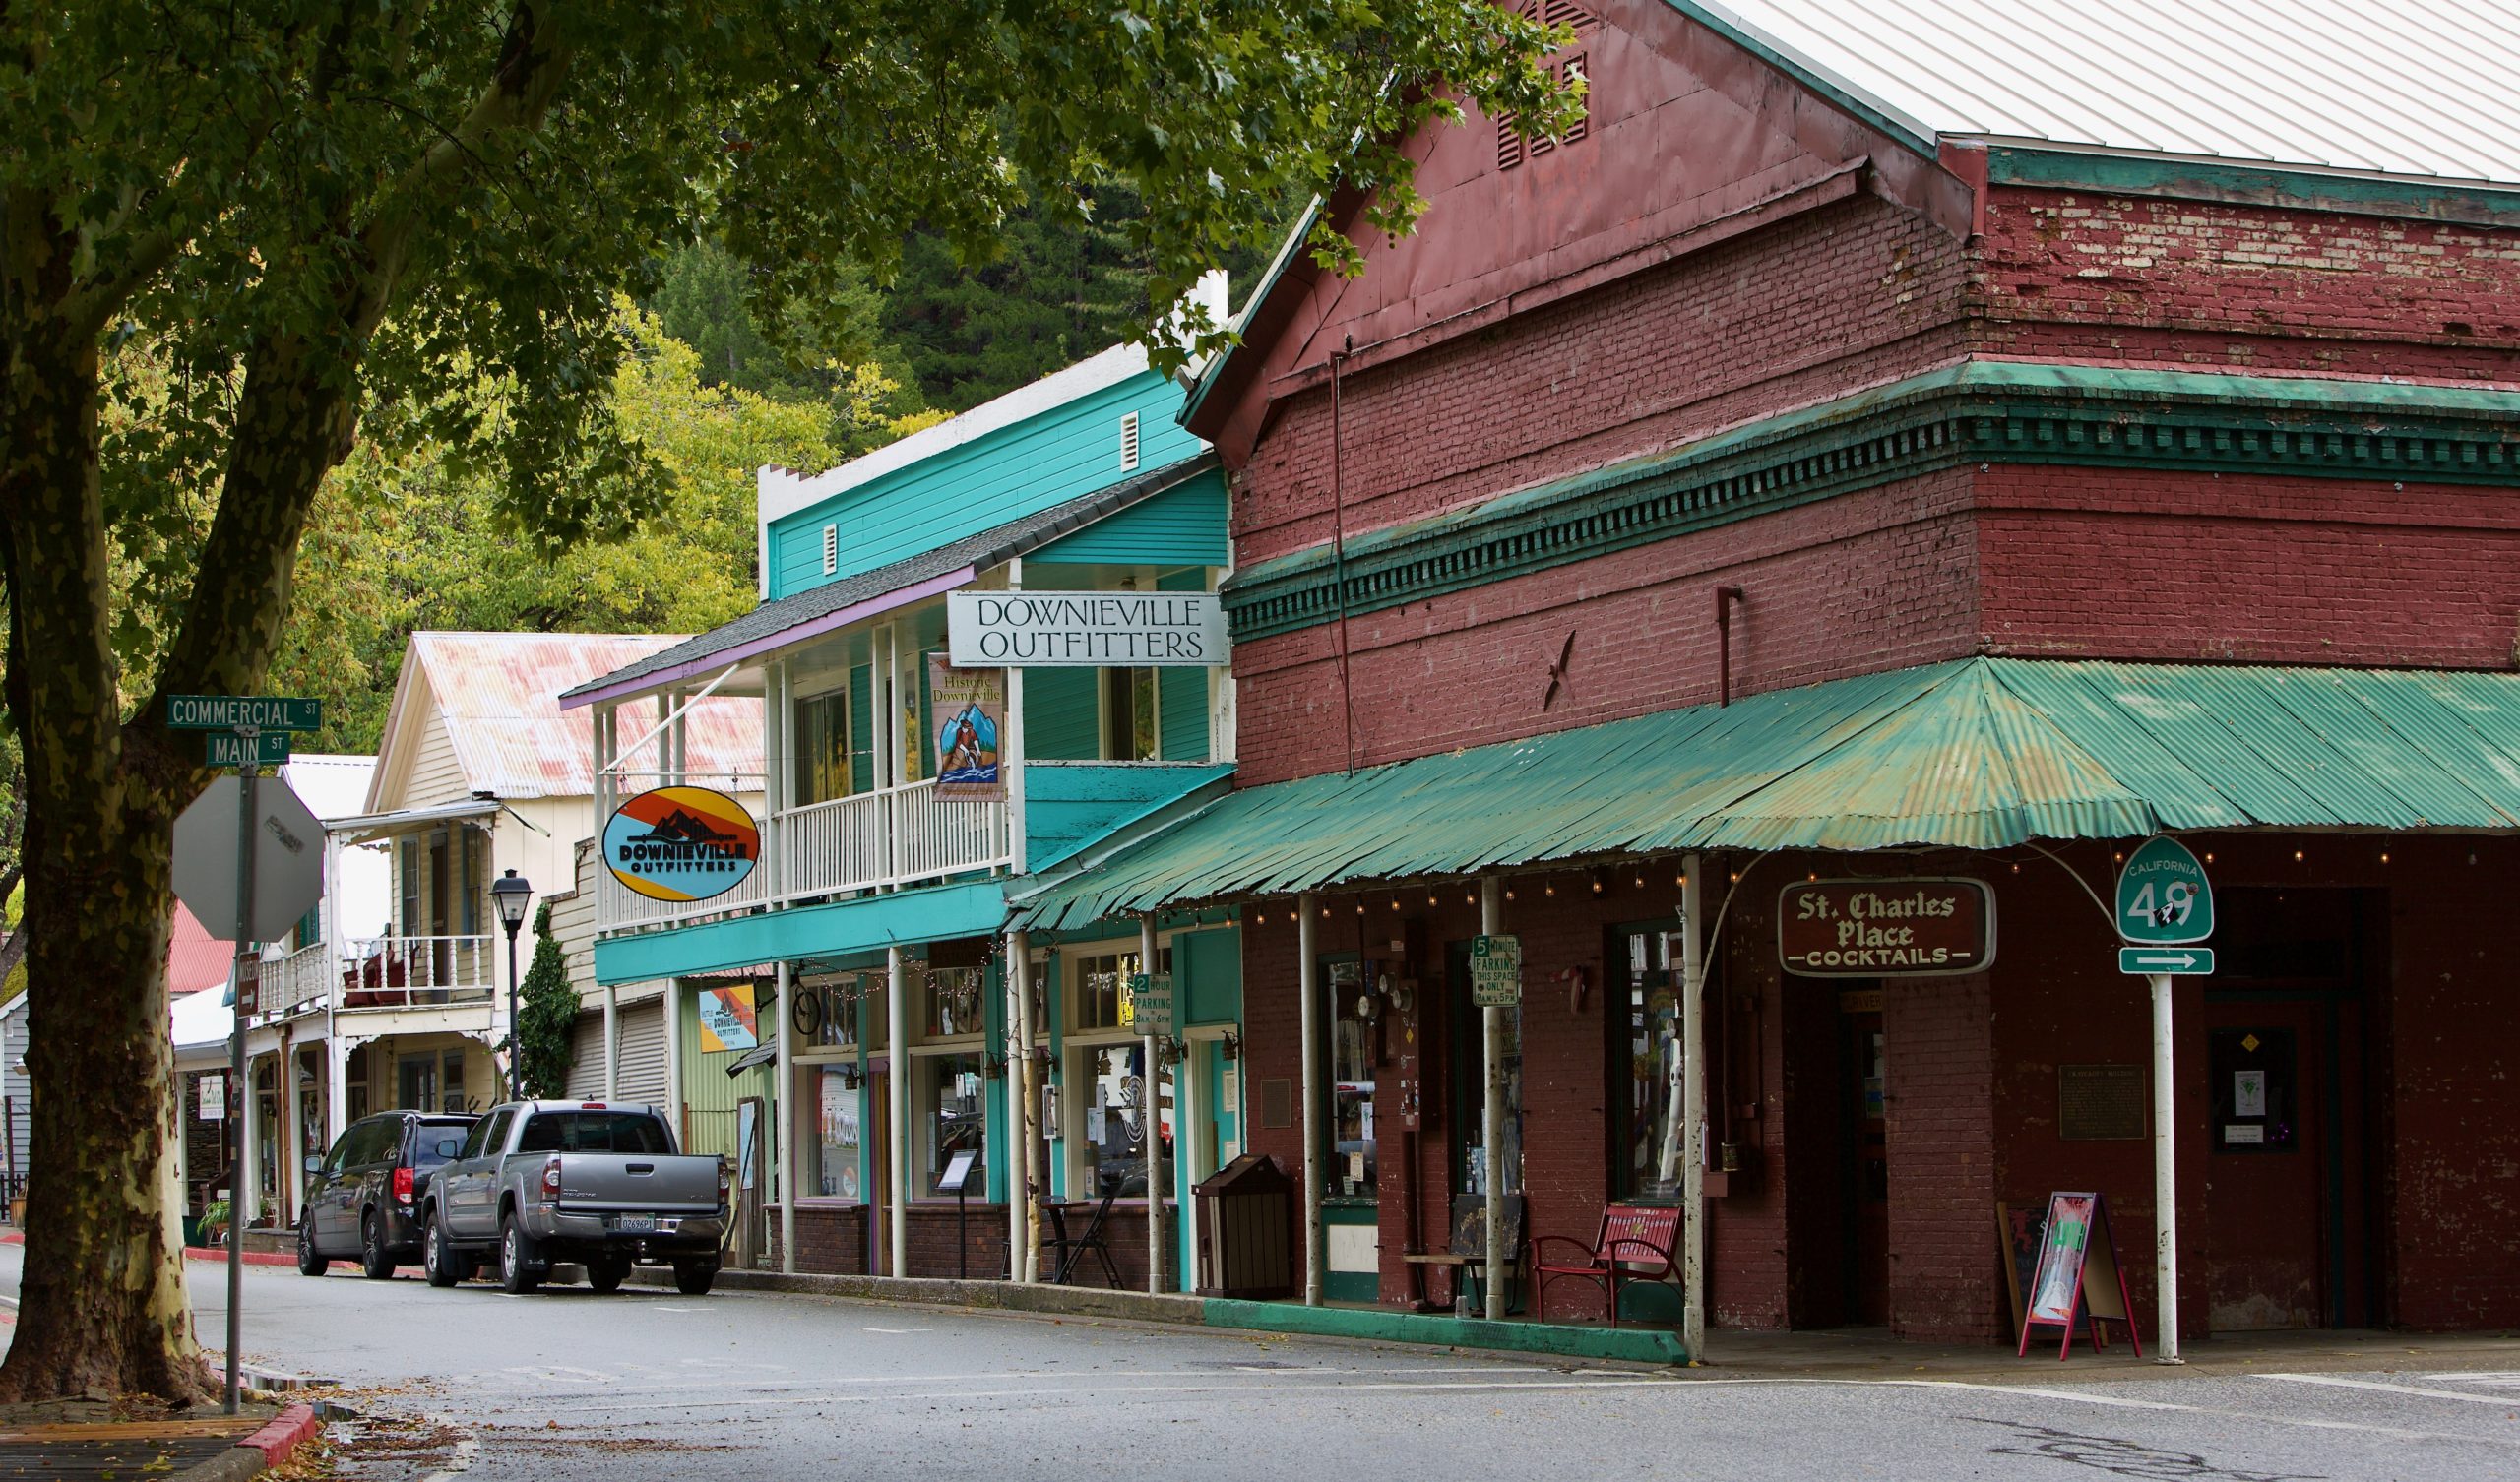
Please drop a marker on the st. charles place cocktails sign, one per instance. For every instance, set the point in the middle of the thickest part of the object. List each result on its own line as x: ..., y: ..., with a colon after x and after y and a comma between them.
x: 1090, y: 629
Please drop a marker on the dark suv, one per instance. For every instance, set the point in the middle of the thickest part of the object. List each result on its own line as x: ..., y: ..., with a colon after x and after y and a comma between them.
x: 362, y: 1196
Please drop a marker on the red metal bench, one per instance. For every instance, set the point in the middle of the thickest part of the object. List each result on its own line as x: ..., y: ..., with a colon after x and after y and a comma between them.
x: 1635, y: 1243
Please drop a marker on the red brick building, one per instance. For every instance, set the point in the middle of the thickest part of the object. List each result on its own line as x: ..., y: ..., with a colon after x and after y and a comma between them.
x: 2040, y: 493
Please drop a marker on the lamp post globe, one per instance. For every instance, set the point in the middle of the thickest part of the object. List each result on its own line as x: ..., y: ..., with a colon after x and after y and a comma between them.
x: 511, y: 893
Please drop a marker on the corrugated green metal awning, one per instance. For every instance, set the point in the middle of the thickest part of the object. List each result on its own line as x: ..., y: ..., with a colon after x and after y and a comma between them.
x: 1975, y: 754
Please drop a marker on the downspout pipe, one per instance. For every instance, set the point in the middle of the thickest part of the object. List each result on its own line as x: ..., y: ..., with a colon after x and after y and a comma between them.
x: 1308, y: 988
x: 1725, y: 597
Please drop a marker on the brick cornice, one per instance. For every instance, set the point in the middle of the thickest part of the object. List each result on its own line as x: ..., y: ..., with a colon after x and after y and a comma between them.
x: 1976, y: 411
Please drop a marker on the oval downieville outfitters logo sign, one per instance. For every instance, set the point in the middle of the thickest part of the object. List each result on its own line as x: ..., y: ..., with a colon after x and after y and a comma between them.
x: 681, y: 843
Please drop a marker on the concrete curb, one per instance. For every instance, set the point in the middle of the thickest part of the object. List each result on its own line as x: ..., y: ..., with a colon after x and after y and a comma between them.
x: 258, y: 1452
x: 192, y: 1252
x: 983, y: 1296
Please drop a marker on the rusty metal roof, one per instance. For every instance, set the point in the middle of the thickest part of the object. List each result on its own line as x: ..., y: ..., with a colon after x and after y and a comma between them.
x: 500, y: 696
x: 1974, y: 754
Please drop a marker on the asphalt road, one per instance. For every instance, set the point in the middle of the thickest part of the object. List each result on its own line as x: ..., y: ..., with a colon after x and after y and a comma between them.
x: 565, y: 1386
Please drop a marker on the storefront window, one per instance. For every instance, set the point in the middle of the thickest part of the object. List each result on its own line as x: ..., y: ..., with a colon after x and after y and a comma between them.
x: 954, y: 999
x: 1101, y: 983
x: 954, y: 1118
x: 835, y: 1144
x: 1469, y: 1082
x: 1653, y: 1124
x: 831, y: 1014
x: 1352, y: 1077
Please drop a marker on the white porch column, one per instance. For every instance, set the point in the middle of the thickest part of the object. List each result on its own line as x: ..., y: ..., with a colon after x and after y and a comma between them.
x: 287, y: 1160
x: 897, y: 1093
x: 1010, y: 756
x: 674, y: 1059
x: 611, y: 1042
x: 1020, y: 1102
x: 789, y: 1112
x: 245, y: 1200
x: 1491, y: 1116
x: 2166, y: 1169
x: 1693, y: 947
x: 1153, y: 1112
x: 1309, y: 991
x: 336, y: 1109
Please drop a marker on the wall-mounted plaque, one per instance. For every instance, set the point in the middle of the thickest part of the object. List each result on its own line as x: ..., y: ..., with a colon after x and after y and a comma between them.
x: 2097, y: 1103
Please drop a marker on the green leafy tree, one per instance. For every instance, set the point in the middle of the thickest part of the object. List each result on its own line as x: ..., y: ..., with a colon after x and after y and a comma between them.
x: 312, y: 211
x: 546, y: 1017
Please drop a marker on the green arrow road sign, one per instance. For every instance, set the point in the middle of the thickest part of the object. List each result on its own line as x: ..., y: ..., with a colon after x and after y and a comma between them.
x: 2181, y: 961
x: 227, y: 713
x: 269, y: 749
x: 2163, y: 898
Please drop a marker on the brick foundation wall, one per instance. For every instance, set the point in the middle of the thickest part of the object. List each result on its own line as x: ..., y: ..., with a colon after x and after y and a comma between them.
x: 1945, y: 1279
x: 830, y: 1239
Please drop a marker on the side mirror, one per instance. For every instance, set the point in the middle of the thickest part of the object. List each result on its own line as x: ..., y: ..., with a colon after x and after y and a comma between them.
x: 448, y: 1147
x: 314, y: 1162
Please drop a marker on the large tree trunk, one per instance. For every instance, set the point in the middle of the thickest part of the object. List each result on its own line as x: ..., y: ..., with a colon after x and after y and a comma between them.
x: 103, y: 1305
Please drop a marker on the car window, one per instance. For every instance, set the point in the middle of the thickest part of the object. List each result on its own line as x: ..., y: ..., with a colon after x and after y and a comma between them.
x: 479, y: 1137
x: 373, y: 1141
x: 426, y: 1142
x: 338, y: 1157
x: 593, y: 1132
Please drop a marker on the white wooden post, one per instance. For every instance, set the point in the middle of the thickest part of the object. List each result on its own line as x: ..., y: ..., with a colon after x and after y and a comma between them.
x: 611, y: 1042
x: 1491, y: 1024
x: 1010, y: 757
x: 789, y: 1113
x: 673, y: 1058
x: 1019, y: 1098
x: 1306, y: 984
x: 2166, y: 1169
x: 1152, y: 1113
x: 897, y: 1087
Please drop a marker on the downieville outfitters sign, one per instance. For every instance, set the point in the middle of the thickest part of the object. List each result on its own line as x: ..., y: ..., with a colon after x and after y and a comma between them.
x: 681, y: 843
x: 1089, y: 630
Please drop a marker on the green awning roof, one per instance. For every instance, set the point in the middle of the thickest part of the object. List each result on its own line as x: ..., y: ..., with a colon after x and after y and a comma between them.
x: 1974, y: 754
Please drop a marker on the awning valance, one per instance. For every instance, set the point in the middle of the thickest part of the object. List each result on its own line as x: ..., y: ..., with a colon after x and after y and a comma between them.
x: 1973, y: 754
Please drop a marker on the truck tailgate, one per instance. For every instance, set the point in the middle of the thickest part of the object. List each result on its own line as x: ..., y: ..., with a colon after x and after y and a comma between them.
x: 643, y: 1182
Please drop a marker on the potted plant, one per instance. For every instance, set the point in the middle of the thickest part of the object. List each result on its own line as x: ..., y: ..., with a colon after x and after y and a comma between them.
x: 213, y: 1221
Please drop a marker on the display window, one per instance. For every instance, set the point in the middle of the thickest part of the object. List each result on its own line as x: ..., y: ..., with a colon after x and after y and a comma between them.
x: 1106, y: 1111
x: 832, y: 1153
x: 1651, y: 1125
x: 950, y: 1103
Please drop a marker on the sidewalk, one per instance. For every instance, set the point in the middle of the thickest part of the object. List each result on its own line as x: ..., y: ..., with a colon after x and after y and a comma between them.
x: 1836, y: 1354
x: 85, y: 1437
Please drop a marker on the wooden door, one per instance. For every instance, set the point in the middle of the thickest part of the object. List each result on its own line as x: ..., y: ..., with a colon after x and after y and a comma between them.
x: 2266, y: 1214
x: 879, y: 1171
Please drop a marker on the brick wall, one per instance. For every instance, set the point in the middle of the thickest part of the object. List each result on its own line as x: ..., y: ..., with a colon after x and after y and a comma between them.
x: 1878, y: 580
x: 831, y: 1239
x: 1846, y: 295
x: 2246, y: 287
x: 2083, y: 563
x: 1945, y: 1279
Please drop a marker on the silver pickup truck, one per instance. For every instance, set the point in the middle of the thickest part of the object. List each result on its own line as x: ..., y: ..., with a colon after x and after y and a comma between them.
x: 597, y: 1183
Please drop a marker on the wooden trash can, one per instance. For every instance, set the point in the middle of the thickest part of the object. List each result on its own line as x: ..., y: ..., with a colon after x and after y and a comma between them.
x: 1246, y: 1225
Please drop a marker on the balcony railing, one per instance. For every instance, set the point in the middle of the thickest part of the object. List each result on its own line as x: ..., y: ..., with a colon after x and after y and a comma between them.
x: 398, y: 972
x: 873, y: 840
x: 299, y: 982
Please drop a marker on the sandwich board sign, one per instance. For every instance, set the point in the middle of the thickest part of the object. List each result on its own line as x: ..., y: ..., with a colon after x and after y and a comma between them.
x: 2077, y: 1277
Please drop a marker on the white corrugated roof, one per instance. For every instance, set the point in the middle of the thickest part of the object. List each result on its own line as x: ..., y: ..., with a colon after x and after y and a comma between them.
x: 2401, y: 86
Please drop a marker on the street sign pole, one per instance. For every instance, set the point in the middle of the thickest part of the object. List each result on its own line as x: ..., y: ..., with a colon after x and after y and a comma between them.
x: 2165, y: 906
x: 2165, y: 1173
x: 247, y: 786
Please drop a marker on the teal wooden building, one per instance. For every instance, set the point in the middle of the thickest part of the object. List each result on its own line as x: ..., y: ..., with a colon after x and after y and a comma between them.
x: 854, y: 1017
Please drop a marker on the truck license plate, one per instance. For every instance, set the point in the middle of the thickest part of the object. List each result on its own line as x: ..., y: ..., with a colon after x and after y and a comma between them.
x: 637, y: 1224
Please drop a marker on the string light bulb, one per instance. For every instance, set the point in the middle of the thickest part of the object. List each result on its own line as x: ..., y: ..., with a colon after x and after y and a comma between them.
x: 1395, y: 903
x: 2384, y: 857
x: 2297, y: 856
x: 1509, y: 893
x: 1548, y: 890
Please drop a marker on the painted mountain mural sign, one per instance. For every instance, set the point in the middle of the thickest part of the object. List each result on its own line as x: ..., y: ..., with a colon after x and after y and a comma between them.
x: 681, y: 843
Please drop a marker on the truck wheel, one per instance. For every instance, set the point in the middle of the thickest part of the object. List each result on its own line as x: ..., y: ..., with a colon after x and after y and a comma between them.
x: 608, y: 1275
x: 517, y: 1268
x: 308, y: 1263
x: 693, y: 1279
x: 373, y: 1262
x: 443, y: 1266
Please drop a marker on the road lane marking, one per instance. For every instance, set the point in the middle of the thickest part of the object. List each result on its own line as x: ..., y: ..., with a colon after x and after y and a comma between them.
x: 2499, y: 1402
x: 896, y: 1332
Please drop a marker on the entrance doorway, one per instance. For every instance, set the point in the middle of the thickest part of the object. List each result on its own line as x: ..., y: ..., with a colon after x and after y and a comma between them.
x: 2287, y: 1242
x: 1865, y: 1155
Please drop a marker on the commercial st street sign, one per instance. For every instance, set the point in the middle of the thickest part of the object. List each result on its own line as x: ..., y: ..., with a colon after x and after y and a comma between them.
x: 2179, y: 961
x: 2163, y: 898
x: 228, y: 712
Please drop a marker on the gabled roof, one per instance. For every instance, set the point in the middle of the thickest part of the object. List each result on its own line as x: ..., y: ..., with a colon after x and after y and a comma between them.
x: 499, y: 695
x: 851, y: 600
x: 2408, y: 88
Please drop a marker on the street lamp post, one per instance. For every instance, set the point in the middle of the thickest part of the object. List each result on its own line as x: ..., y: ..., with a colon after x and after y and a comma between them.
x: 510, y: 892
